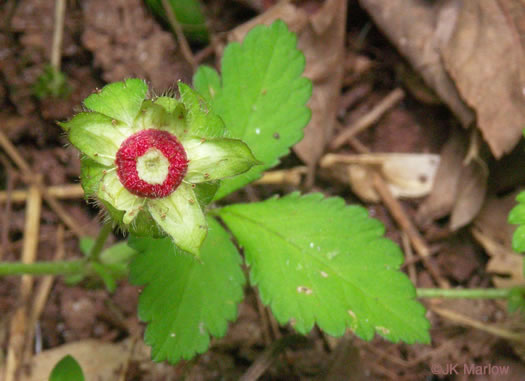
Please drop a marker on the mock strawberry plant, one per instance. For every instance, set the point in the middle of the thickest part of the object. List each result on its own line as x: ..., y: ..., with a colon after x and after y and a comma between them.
x: 145, y: 159
x: 159, y: 166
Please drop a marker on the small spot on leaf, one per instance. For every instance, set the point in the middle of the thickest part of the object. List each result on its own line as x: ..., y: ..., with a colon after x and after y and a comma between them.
x: 304, y: 290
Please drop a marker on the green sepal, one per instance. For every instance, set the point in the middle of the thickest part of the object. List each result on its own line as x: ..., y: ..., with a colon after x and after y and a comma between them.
x: 112, y: 191
x: 91, y: 174
x: 162, y: 114
x: 143, y: 225
x: 181, y: 217
x: 95, y: 135
x: 217, y: 159
x: 170, y: 104
x: 119, y: 100
x: 201, y: 120
x: 205, y: 191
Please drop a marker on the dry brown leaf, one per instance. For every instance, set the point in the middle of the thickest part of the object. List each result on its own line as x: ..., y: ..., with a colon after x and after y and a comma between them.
x: 494, y: 233
x: 100, y: 361
x: 321, y: 38
x: 417, y: 28
x: 485, y: 58
x: 472, y: 188
x: 407, y: 175
x: 461, y: 183
x: 443, y: 195
x: 479, y: 44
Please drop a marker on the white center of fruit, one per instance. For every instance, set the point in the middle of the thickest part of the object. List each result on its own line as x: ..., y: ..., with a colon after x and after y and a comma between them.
x: 153, y: 167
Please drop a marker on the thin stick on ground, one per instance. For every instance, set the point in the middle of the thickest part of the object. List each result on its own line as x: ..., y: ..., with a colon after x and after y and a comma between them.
x: 204, y: 53
x: 369, y: 119
x: 266, y: 333
x: 19, y: 318
x: 41, y: 295
x: 400, y: 216
x: 469, y: 322
x: 30, y: 178
x: 407, y: 249
x: 64, y: 192
x: 181, y: 38
x: 290, y: 176
x: 58, y: 33
x: 4, y: 235
x: 264, y: 361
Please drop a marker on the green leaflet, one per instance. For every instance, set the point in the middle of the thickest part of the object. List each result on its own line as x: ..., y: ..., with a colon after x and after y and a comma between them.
x: 316, y: 260
x: 186, y: 300
x: 517, y: 217
x: 67, y: 369
x: 263, y: 96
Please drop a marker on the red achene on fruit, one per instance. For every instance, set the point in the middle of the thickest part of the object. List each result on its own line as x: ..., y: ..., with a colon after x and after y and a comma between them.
x: 151, y: 163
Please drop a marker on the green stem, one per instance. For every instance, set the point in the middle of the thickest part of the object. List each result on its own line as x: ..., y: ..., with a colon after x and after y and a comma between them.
x: 467, y: 293
x: 101, y: 240
x: 43, y: 268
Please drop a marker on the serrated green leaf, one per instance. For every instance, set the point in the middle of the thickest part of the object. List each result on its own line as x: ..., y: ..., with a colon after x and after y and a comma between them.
x: 263, y: 96
x: 517, y: 217
x: 317, y: 260
x: 119, y: 100
x: 184, y: 300
x: 207, y: 82
x: 518, y: 239
x: 67, y: 369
